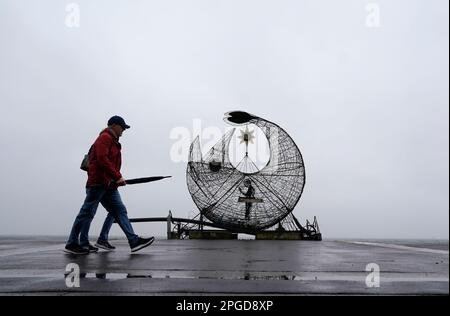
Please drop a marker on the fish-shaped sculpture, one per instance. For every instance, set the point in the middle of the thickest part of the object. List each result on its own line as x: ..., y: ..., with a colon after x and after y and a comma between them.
x: 254, y: 199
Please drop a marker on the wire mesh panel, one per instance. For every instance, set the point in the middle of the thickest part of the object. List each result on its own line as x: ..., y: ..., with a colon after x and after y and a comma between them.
x: 244, y: 198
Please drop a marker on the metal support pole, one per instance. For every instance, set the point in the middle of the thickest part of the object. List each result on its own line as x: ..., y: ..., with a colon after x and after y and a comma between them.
x: 169, y: 225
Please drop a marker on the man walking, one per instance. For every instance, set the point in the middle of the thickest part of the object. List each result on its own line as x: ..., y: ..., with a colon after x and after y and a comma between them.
x: 104, y: 178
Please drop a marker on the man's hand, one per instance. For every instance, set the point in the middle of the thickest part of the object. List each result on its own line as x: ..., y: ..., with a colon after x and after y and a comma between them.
x: 121, y: 182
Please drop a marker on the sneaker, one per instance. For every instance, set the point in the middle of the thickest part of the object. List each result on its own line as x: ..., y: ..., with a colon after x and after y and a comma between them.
x: 105, y: 245
x: 76, y: 250
x: 141, y: 243
x: 92, y: 249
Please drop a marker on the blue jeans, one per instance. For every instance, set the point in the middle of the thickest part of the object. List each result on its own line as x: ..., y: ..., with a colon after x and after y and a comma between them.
x: 111, y: 201
x: 109, y: 221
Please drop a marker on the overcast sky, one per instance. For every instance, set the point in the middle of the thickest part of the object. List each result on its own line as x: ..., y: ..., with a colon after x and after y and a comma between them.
x: 361, y: 86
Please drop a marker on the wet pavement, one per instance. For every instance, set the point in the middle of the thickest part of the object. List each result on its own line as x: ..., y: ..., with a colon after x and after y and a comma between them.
x: 37, y: 265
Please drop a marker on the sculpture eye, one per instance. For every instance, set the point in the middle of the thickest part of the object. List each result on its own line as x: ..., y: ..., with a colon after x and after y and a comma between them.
x: 215, y: 166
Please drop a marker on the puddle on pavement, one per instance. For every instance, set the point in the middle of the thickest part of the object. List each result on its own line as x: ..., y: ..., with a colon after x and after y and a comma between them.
x: 178, y: 275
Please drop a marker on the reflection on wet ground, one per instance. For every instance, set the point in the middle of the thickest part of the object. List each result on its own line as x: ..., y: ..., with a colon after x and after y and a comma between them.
x: 203, y: 266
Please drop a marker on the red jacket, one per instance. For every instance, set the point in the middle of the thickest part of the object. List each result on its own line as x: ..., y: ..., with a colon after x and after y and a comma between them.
x: 105, y: 160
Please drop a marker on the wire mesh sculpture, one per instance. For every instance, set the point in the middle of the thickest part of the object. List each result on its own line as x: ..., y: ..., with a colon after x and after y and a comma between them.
x: 245, y: 198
